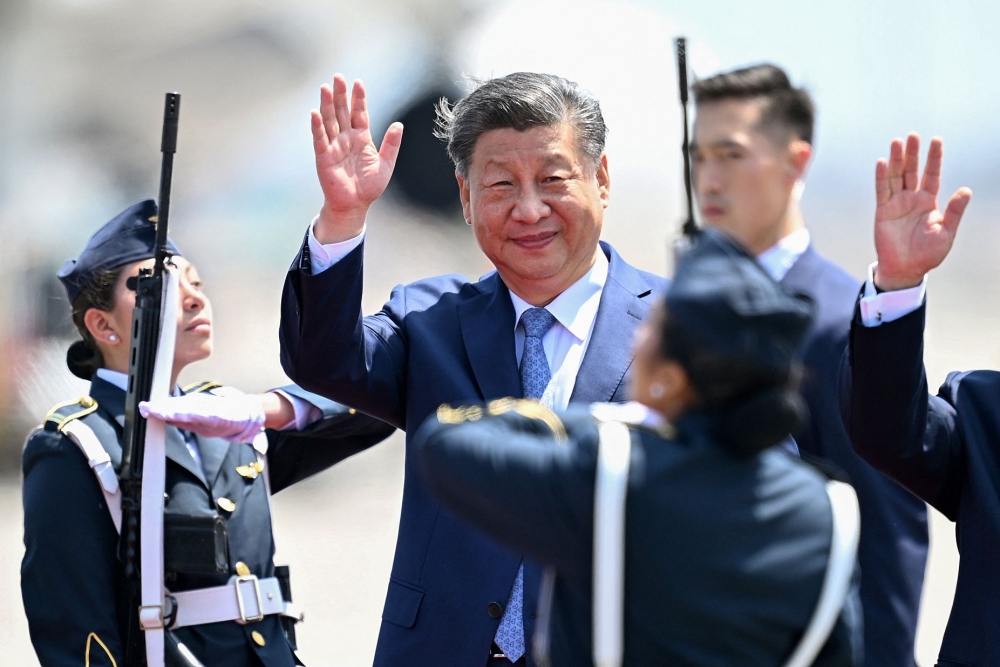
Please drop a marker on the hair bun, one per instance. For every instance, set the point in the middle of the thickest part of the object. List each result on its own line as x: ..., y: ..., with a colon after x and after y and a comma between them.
x: 762, y: 420
x: 83, y: 359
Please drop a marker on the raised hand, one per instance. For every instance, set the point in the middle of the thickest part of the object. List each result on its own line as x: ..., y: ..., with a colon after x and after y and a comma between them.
x: 912, y: 236
x: 352, y: 172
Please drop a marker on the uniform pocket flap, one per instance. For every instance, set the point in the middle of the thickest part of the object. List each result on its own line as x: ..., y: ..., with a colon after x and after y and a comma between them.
x: 402, y: 603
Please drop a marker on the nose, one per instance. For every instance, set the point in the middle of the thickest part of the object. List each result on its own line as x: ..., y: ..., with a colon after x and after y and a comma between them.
x: 192, y: 298
x: 530, y: 207
x: 706, y: 179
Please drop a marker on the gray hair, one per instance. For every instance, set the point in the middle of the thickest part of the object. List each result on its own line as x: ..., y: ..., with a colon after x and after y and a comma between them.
x: 519, y: 101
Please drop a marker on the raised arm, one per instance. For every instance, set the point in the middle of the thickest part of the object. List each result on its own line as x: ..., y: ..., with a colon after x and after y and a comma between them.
x: 892, y: 421
x: 912, y: 236
x: 352, y: 172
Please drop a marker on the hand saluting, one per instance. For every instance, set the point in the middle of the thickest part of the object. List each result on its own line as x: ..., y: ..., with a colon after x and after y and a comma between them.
x: 912, y: 236
x: 352, y: 172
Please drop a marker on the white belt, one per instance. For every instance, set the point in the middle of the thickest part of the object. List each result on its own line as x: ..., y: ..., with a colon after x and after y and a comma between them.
x: 244, y: 599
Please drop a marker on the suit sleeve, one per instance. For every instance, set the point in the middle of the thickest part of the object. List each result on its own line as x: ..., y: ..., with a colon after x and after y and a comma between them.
x: 892, y: 421
x: 329, y: 348
x: 342, y: 432
x: 68, y: 575
x: 508, y: 477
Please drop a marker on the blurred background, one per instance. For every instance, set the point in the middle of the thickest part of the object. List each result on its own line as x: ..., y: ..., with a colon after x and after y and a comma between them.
x: 81, y: 91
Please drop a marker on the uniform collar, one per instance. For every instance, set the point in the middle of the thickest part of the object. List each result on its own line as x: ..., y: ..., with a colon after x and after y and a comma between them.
x: 120, y: 379
x: 576, y: 307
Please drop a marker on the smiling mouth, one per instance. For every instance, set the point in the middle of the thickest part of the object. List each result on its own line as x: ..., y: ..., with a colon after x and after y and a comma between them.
x: 534, y: 241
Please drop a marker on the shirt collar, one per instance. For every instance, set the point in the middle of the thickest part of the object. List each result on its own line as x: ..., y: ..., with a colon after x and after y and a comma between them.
x: 120, y: 380
x: 576, y: 307
x: 780, y: 257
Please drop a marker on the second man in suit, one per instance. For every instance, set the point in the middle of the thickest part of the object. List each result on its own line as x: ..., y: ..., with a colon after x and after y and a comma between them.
x: 752, y: 145
x: 554, y: 322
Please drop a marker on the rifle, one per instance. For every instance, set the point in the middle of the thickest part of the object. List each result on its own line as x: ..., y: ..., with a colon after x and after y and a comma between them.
x: 689, y: 229
x: 150, y: 288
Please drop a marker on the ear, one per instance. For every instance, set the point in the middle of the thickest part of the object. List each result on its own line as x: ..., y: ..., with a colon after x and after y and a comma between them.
x: 678, y: 395
x: 98, y: 323
x: 799, y: 154
x: 466, y: 196
x: 604, y: 180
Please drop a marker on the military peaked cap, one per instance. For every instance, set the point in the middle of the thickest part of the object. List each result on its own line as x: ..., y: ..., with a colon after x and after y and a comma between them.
x: 129, y: 237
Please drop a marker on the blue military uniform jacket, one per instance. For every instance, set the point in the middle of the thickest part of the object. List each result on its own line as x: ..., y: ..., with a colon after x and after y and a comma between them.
x: 724, y: 556
x: 441, y: 340
x: 946, y: 450
x: 71, y: 577
x: 893, y: 548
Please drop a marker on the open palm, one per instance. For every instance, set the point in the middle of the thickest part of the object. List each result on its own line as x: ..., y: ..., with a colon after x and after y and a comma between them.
x: 351, y: 171
x: 912, y: 236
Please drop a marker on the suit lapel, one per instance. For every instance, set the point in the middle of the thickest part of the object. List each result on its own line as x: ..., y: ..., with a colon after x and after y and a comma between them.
x: 802, y: 275
x: 487, y: 324
x: 213, y: 454
x: 609, y: 352
x: 178, y: 452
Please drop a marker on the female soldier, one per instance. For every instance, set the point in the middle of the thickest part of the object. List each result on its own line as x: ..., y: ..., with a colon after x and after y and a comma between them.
x: 71, y: 579
x: 726, y: 538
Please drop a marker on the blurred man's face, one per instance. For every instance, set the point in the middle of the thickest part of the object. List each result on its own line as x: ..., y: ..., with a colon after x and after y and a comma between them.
x: 743, y: 174
x: 536, y: 205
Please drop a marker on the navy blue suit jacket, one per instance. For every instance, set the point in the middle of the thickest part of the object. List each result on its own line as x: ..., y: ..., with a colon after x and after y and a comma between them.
x: 724, y: 555
x: 440, y: 340
x: 946, y: 450
x: 893, y: 548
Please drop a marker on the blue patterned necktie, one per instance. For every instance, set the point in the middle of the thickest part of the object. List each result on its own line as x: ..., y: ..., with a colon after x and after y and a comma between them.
x: 535, y: 376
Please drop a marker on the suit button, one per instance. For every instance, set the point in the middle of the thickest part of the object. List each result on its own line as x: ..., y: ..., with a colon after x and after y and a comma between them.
x: 494, y: 610
x: 258, y: 638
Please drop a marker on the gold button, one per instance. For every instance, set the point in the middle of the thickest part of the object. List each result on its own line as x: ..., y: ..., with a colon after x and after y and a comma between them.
x: 258, y: 638
x: 242, y: 569
x: 351, y: 411
x: 247, y: 471
x: 226, y: 504
x: 87, y: 402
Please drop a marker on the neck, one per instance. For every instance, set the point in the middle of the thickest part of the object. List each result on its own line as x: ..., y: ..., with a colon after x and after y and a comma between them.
x: 121, y: 366
x: 789, y: 223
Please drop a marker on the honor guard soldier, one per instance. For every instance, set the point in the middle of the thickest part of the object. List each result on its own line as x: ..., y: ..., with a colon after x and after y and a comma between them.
x: 231, y: 605
x: 707, y: 545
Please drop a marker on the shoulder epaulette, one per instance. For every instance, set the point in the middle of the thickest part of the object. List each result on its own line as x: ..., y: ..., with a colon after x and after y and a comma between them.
x: 524, y: 407
x: 198, y: 387
x: 63, y: 413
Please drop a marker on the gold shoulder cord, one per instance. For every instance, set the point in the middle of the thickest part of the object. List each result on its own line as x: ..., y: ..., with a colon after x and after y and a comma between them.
x: 86, y: 402
x: 93, y: 636
x: 198, y: 387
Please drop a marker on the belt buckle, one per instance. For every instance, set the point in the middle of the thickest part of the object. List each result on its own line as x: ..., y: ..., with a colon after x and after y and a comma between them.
x: 244, y: 619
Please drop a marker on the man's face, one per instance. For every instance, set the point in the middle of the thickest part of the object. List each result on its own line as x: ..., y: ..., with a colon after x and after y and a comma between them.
x: 743, y: 175
x: 536, y: 204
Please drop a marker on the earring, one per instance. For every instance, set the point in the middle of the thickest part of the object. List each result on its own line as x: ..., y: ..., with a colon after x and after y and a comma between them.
x: 656, y: 390
x: 798, y: 189
x: 113, y: 338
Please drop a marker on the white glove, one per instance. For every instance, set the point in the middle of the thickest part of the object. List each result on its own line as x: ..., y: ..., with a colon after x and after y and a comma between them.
x: 234, y: 416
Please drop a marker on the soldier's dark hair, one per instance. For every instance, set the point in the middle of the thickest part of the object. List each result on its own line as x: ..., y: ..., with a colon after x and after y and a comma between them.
x: 521, y: 101
x: 757, y: 407
x: 783, y: 105
x: 84, y: 357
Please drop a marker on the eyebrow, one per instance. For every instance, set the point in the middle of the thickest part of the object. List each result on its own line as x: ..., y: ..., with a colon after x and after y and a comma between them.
x: 725, y: 143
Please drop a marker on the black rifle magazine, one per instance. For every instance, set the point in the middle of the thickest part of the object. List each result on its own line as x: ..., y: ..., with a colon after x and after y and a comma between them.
x: 195, y: 543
